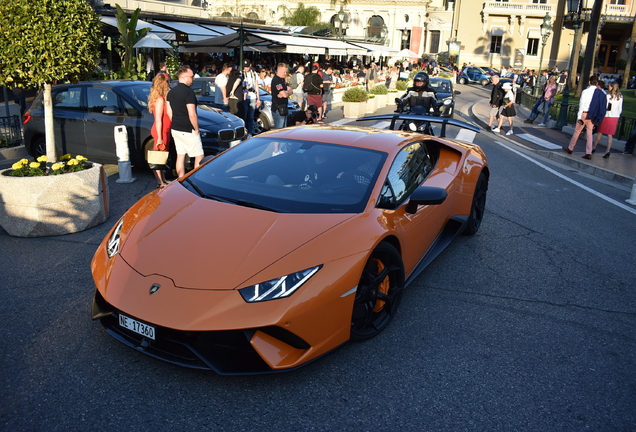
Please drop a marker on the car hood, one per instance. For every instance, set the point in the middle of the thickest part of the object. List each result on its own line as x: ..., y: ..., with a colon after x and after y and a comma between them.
x: 205, y: 244
x: 441, y: 95
x: 209, y: 117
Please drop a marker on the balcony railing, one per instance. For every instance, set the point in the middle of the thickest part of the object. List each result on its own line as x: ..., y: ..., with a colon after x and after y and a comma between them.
x: 527, y: 9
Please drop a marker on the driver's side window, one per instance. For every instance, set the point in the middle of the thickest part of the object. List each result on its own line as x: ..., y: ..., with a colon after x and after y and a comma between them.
x: 409, y: 170
x: 99, y: 98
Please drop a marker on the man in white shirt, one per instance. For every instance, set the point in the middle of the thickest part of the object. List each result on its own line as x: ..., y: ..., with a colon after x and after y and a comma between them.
x: 252, y: 95
x: 220, y: 92
x: 299, y: 95
x: 150, y: 67
x: 583, y: 121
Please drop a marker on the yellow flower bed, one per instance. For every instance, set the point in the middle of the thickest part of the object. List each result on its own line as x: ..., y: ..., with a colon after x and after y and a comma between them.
x: 26, y: 168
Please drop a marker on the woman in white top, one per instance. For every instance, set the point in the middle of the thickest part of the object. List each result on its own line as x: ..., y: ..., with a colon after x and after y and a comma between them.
x: 609, y: 123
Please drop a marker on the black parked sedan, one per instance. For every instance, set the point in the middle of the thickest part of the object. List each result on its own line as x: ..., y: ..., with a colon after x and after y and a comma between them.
x: 85, y: 115
x: 445, y: 94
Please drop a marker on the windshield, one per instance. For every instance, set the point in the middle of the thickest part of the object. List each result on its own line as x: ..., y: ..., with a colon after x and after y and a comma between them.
x: 138, y: 92
x: 290, y: 176
x: 440, y: 85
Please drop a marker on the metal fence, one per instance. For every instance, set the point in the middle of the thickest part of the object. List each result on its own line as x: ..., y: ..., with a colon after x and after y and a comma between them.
x: 623, y: 130
x: 10, y: 131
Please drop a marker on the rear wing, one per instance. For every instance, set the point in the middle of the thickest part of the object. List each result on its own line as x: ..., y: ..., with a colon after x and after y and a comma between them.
x: 421, y: 118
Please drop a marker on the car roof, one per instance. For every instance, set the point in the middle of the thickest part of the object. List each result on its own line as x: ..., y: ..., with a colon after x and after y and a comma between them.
x: 109, y: 83
x: 371, y: 138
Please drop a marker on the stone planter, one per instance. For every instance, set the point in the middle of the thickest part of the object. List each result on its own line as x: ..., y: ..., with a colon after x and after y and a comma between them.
x: 337, y: 96
x: 390, y: 100
x: 370, y: 106
x: 381, y: 100
x: 354, y: 110
x: 53, y: 205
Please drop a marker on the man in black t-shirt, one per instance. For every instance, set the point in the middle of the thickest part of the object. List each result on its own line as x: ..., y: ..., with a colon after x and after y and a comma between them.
x: 280, y: 96
x: 314, y: 87
x: 182, y: 110
x: 301, y: 117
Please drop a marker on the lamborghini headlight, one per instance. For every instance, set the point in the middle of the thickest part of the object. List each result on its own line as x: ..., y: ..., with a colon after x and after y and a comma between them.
x: 283, y: 286
x: 112, y: 247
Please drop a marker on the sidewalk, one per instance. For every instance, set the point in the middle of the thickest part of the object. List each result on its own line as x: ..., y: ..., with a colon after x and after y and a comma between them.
x: 547, y: 142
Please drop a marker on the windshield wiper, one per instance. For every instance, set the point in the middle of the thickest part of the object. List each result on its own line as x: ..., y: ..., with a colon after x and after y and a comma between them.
x: 195, y: 187
x: 244, y: 203
x: 231, y: 200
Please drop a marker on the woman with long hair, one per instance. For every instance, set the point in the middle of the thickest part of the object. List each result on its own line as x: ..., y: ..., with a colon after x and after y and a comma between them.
x: 609, y: 123
x: 161, y: 127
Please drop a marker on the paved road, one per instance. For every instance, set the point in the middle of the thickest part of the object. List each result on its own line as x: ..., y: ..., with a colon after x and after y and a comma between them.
x: 529, y: 325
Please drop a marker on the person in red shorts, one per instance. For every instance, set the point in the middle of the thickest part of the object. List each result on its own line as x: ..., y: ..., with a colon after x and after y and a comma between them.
x: 313, y: 85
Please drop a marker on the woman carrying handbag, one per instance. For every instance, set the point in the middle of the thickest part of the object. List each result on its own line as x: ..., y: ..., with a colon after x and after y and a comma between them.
x: 158, y: 157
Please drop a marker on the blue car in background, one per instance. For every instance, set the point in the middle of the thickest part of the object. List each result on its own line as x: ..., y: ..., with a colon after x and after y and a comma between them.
x: 473, y: 74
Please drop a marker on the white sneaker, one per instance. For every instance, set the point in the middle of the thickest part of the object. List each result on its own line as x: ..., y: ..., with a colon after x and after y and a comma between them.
x: 541, y: 124
x: 510, y: 132
x: 493, y: 127
x: 496, y: 130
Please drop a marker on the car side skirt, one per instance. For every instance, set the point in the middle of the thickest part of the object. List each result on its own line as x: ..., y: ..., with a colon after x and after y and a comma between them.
x: 453, y: 227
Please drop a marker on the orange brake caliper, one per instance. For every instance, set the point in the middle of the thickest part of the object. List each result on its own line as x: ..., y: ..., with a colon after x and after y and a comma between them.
x: 383, y: 286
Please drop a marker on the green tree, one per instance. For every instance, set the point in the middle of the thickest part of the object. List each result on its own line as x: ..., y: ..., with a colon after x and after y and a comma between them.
x: 45, y: 41
x: 303, y: 16
x: 129, y: 36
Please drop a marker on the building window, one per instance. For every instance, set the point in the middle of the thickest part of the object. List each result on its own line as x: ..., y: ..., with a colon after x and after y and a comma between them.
x: 533, y: 47
x: 435, y: 34
x: 495, y: 44
x: 539, y: 1
x: 375, y: 24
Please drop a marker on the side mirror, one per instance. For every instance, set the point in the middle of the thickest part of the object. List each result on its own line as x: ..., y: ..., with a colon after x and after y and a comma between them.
x: 425, y: 195
x: 110, y: 110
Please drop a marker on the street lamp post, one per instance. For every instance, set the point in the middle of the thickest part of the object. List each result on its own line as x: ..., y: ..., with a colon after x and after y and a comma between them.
x: 546, y: 31
x: 576, y: 14
x: 341, y: 20
x: 405, y: 37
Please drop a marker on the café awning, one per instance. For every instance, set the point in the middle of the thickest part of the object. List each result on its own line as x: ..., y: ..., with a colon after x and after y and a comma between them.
x: 309, y: 45
x: 376, y: 50
x: 193, y: 31
x: 219, y: 29
x: 225, y: 43
x: 163, y: 33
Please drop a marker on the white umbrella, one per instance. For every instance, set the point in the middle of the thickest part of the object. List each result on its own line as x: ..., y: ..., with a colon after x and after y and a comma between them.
x: 405, y: 53
x: 151, y: 40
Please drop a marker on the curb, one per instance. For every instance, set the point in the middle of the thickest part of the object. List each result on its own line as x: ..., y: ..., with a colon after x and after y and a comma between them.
x: 594, y: 170
x: 12, y: 154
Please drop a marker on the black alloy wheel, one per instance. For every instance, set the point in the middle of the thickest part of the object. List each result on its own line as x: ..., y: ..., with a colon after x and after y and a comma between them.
x: 38, y: 148
x: 478, y: 207
x: 379, y: 293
